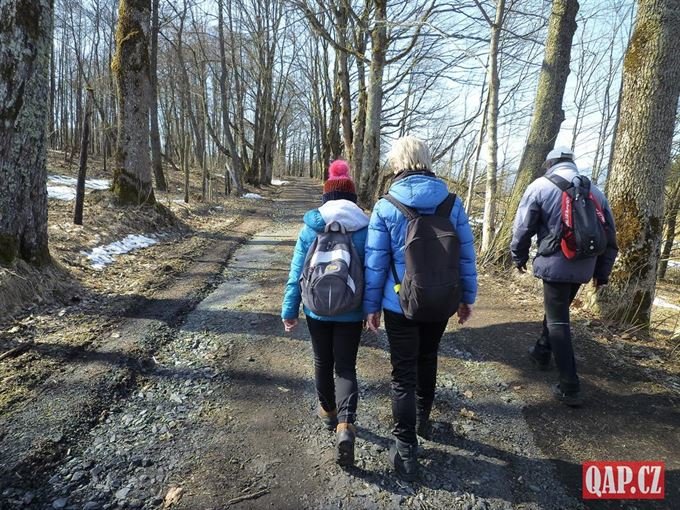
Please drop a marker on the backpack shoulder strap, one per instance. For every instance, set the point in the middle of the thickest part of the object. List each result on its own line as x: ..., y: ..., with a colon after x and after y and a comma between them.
x: 444, y: 209
x: 409, y: 212
x: 560, y: 182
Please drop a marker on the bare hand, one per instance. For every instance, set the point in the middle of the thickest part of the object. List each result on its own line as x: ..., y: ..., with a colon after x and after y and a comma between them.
x: 373, y: 321
x: 290, y: 324
x: 464, y: 313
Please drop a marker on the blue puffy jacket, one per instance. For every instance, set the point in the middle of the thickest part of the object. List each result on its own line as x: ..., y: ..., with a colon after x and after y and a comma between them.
x: 354, y: 220
x: 387, y: 232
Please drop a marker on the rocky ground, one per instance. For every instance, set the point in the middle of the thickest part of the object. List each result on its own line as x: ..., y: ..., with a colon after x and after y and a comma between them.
x: 194, y: 398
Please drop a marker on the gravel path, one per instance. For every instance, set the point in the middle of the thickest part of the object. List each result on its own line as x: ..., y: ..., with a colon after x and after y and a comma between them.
x: 224, y: 416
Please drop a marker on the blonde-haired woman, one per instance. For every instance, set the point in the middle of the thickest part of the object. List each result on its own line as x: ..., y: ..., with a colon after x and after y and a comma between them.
x: 413, y: 344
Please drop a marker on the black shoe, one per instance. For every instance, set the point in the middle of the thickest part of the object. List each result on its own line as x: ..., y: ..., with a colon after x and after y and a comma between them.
x: 571, y: 398
x: 346, y: 435
x: 424, y: 428
x: 540, y: 360
x: 404, y: 460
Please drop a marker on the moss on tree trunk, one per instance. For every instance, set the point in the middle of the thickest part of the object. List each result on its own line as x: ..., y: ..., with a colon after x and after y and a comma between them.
x: 651, y: 84
x: 130, y: 67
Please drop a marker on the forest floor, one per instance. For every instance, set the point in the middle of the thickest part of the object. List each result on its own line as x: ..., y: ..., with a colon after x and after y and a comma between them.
x: 167, y: 381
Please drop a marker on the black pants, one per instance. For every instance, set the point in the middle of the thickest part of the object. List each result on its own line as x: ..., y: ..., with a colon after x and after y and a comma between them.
x: 413, y: 352
x: 556, y: 336
x: 335, y: 347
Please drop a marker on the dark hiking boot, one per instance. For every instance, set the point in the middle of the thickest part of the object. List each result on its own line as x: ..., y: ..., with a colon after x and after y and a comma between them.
x: 404, y: 460
x: 571, y: 398
x: 541, y: 360
x: 345, y: 436
x: 329, y: 418
x: 424, y: 427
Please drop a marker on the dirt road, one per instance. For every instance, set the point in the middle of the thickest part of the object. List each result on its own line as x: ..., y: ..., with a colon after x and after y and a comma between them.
x: 218, y: 411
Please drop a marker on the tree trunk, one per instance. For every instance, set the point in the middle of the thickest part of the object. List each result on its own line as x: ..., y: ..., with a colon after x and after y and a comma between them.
x: 343, y: 77
x: 371, y: 157
x: 156, y: 160
x: 488, y: 227
x: 25, y: 48
x: 547, y: 117
x: 651, y: 84
x: 672, y: 210
x: 130, y: 66
x: 82, y: 167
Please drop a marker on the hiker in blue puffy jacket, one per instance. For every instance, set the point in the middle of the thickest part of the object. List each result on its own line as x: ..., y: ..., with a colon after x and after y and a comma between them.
x: 335, y: 340
x: 413, y: 345
x: 540, y: 214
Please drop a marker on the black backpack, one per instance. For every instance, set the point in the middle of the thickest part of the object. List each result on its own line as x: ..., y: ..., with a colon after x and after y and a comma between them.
x: 430, y: 290
x: 584, y: 227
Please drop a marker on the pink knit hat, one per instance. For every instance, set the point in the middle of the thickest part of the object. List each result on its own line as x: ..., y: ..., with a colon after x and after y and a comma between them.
x: 339, y: 184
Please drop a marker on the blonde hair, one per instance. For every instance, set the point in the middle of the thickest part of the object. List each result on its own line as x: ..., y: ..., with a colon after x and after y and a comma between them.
x: 409, y: 153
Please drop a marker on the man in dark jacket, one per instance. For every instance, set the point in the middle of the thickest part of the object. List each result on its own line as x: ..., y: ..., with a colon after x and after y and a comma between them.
x: 539, y: 214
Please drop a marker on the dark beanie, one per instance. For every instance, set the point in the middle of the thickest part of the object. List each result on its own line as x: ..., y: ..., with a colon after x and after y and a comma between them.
x: 339, y: 184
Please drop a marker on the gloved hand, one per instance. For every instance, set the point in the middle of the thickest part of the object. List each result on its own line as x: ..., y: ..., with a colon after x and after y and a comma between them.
x: 522, y: 268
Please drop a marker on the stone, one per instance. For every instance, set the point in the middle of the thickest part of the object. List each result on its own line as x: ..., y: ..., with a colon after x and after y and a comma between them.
x: 91, y: 505
x: 122, y: 493
x: 77, y: 476
x: 60, y: 503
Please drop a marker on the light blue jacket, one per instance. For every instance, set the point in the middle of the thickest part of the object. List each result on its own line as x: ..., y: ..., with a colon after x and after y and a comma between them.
x: 387, y: 232
x: 354, y: 220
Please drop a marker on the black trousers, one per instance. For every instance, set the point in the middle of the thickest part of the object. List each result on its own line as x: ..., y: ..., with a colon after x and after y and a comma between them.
x: 413, y: 352
x: 335, y: 346
x: 556, y: 336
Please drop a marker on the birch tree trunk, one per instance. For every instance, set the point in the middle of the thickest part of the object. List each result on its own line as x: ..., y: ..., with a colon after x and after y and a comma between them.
x: 25, y: 48
x: 488, y: 227
x: 371, y: 156
x: 130, y: 66
x: 649, y: 99
x: 547, y: 117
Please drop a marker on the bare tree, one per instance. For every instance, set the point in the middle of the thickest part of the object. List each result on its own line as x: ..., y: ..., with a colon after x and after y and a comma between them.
x: 488, y: 227
x: 156, y: 159
x: 547, y: 117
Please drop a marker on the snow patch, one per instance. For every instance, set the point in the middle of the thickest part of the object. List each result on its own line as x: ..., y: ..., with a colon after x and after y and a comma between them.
x: 674, y: 263
x: 254, y: 196
x: 62, y: 187
x: 102, y: 256
x: 61, y: 193
x: 662, y: 303
x: 278, y: 182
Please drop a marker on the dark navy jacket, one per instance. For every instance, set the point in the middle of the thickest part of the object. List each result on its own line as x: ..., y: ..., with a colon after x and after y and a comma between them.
x: 539, y: 214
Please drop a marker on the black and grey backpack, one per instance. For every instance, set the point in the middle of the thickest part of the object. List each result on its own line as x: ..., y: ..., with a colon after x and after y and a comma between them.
x: 332, y: 280
x: 430, y: 290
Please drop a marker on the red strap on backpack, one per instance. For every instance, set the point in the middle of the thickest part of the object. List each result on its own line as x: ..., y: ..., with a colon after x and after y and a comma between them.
x: 567, y: 243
